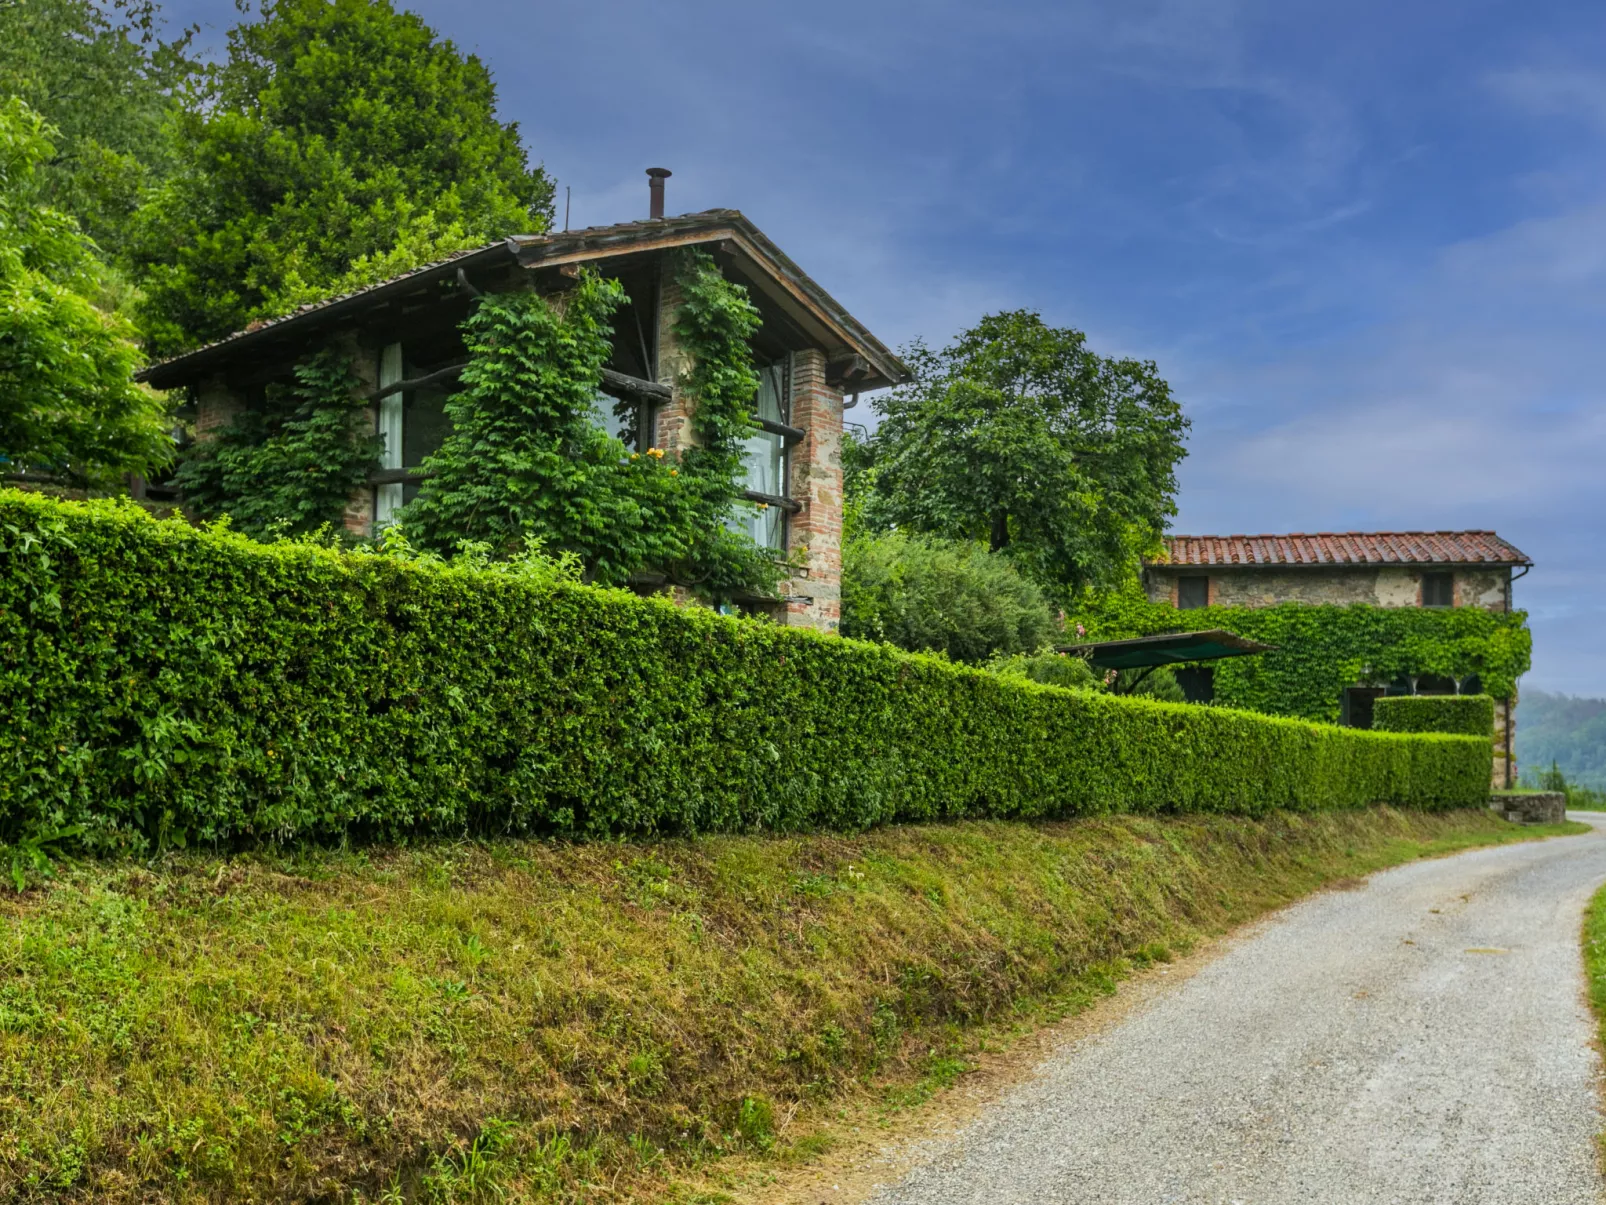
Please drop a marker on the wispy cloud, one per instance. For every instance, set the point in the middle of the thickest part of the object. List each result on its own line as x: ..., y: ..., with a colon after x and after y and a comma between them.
x: 1554, y: 91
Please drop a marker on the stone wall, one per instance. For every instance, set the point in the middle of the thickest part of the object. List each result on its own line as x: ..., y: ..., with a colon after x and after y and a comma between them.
x: 672, y: 429
x: 216, y: 405
x: 1504, y: 774
x: 1382, y: 586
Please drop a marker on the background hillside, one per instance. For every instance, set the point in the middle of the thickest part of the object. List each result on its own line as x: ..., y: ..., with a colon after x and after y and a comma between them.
x: 1567, y: 730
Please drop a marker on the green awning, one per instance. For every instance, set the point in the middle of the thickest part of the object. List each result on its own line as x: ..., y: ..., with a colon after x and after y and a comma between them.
x: 1174, y: 648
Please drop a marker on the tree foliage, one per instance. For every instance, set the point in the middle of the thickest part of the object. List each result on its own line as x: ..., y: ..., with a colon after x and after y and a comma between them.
x: 291, y: 465
x: 333, y: 134
x: 1570, y: 732
x: 1018, y: 434
x: 927, y: 594
x: 104, y: 77
x: 68, y: 405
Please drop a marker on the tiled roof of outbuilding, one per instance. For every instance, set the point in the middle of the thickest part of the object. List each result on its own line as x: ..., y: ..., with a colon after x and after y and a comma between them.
x: 1347, y: 548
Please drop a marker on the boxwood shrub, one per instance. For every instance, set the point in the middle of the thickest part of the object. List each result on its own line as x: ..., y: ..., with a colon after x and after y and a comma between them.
x: 162, y: 684
x: 1471, y: 715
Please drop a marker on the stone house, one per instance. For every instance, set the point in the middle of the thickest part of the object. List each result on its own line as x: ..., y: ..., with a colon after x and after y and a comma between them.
x: 1385, y: 569
x: 814, y: 359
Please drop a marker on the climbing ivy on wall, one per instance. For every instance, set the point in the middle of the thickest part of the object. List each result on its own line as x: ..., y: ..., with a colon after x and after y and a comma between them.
x: 715, y: 324
x: 291, y: 465
x: 1322, y: 649
x: 526, y: 458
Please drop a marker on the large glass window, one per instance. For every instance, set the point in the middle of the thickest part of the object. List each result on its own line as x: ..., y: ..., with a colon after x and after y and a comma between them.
x: 764, y: 459
x: 412, y: 426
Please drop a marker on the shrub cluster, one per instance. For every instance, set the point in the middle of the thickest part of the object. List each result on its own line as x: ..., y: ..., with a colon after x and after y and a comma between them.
x: 163, y: 684
x: 930, y: 595
x: 1470, y: 715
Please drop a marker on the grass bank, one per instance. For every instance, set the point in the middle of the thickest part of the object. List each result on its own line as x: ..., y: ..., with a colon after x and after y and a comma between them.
x: 526, y: 1020
x: 1595, y: 973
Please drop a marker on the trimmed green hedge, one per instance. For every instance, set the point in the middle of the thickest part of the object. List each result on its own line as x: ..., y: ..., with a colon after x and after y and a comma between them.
x: 1470, y: 715
x: 163, y: 684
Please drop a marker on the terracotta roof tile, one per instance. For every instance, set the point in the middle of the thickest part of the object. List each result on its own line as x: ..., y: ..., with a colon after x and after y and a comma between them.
x: 1346, y: 548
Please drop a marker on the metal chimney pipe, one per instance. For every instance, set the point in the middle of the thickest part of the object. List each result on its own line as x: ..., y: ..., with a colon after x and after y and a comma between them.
x: 655, y: 186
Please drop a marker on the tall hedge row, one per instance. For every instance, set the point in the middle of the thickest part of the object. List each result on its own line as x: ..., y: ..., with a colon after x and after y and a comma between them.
x: 1471, y: 715
x: 163, y: 684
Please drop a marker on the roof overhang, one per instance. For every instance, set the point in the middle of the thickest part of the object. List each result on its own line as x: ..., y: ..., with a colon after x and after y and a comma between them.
x: 857, y: 360
x: 183, y: 369
x: 1176, y: 648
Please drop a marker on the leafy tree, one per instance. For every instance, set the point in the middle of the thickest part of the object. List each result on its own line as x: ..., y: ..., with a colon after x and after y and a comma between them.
x: 928, y: 594
x: 68, y: 405
x: 105, y: 79
x: 333, y: 134
x: 526, y: 456
x: 1020, y: 435
x: 292, y: 465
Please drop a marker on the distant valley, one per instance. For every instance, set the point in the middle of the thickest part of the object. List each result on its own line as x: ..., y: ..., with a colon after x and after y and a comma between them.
x: 1568, y: 731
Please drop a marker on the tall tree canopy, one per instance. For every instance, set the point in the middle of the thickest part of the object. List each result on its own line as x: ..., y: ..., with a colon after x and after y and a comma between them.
x: 340, y: 142
x: 68, y: 405
x: 102, y: 75
x: 1020, y: 435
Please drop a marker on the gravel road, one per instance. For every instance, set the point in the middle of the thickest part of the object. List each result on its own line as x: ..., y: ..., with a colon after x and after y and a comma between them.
x: 1423, y: 1038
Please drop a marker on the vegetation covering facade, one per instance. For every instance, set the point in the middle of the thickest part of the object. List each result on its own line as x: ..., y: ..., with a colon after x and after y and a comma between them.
x: 1355, y: 617
x: 662, y: 398
x: 164, y: 684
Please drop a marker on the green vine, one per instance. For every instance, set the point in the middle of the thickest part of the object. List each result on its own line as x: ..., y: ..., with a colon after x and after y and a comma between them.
x: 292, y: 465
x: 1321, y: 649
x: 715, y: 324
x: 526, y: 459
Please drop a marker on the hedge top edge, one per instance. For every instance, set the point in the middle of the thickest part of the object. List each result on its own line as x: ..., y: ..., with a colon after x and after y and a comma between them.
x: 164, y: 685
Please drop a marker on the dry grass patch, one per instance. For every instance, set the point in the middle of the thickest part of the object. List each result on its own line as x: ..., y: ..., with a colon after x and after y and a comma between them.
x: 526, y: 1020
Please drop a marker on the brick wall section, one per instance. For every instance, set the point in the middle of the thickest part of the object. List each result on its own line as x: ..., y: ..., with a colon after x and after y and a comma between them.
x: 816, y: 482
x: 215, y: 408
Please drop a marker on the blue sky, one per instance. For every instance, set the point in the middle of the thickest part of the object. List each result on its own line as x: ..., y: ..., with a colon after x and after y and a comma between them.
x: 1366, y: 242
